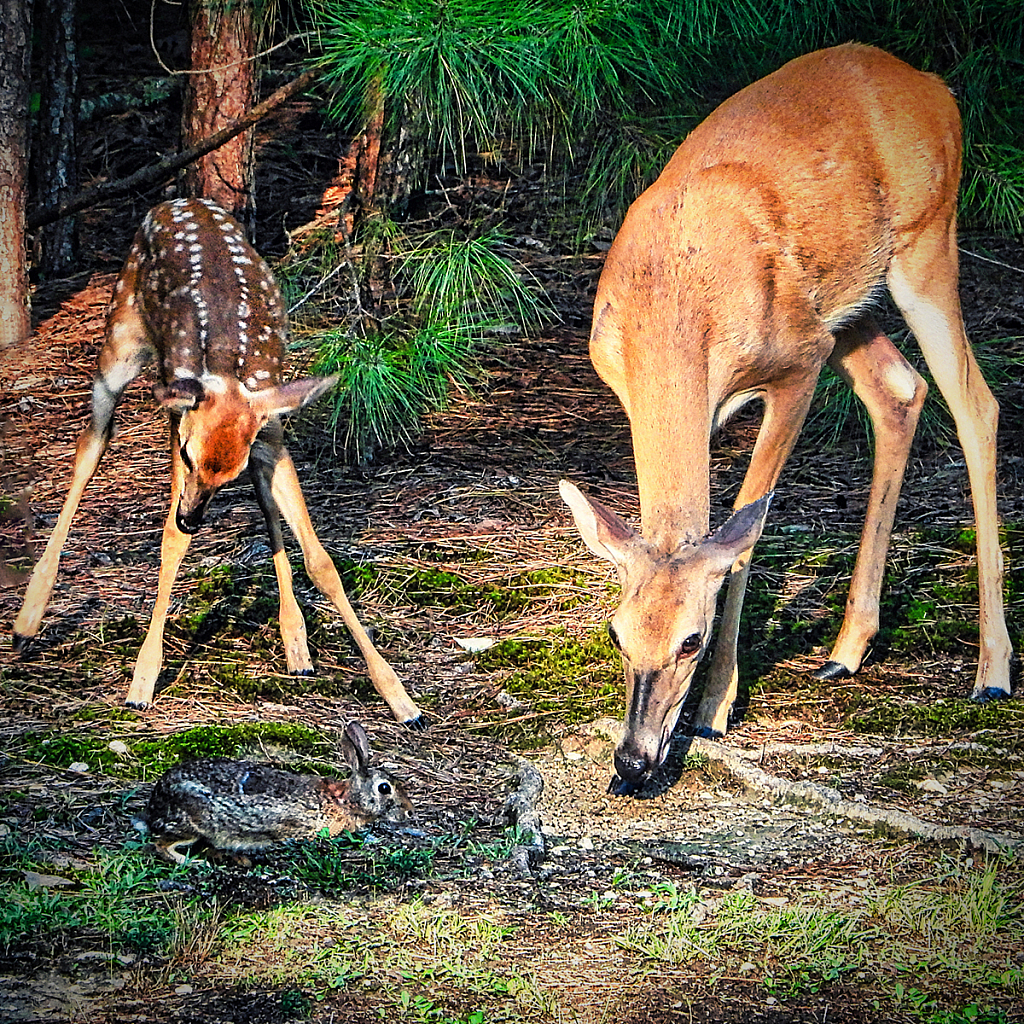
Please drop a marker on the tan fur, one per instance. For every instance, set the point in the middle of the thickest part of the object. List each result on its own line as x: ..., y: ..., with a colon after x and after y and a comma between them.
x: 749, y: 264
x: 197, y: 299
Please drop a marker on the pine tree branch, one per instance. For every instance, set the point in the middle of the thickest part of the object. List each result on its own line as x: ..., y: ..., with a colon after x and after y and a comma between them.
x: 155, y: 172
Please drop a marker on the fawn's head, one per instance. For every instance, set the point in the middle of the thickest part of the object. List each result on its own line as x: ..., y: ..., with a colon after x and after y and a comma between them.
x: 218, y: 420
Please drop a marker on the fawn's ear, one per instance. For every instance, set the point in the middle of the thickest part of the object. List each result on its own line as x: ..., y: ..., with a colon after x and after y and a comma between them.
x: 182, y: 394
x: 291, y: 397
x: 356, y: 747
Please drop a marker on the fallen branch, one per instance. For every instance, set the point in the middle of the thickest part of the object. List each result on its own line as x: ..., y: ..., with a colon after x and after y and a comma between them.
x: 155, y: 172
x: 833, y: 802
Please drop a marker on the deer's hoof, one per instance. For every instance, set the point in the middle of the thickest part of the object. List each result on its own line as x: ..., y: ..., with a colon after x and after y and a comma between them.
x: 19, y: 642
x: 623, y: 787
x: 417, y: 724
x: 831, y: 670
x: 705, y: 732
x: 989, y: 694
x: 138, y: 705
x: 304, y: 671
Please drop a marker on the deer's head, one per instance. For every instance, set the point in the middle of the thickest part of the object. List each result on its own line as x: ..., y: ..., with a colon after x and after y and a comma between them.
x: 662, y: 625
x: 218, y: 420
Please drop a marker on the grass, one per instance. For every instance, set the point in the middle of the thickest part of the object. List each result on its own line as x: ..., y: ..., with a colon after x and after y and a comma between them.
x: 956, y: 930
x: 114, y: 898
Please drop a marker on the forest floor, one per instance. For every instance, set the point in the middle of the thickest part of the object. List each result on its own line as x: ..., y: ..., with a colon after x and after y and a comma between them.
x: 792, y: 872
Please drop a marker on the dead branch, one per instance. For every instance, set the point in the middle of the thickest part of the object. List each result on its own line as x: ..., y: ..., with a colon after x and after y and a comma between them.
x: 832, y: 802
x: 155, y: 172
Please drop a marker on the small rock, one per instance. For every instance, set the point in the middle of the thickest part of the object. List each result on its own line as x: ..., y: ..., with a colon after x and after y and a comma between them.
x: 932, y: 786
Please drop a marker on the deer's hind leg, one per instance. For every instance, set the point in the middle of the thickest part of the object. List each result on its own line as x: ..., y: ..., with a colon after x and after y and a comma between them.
x: 893, y: 392
x: 262, y: 460
x: 923, y: 280
x: 124, y: 353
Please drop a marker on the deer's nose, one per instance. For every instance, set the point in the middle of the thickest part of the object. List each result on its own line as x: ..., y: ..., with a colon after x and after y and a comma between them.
x: 189, y: 520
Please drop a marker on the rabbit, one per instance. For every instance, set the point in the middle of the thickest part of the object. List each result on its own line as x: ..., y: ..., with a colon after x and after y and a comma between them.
x: 241, y: 805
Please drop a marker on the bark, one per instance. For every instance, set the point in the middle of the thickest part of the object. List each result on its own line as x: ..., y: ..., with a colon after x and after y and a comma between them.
x: 55, y: 158
x: 223, y: 49
x: 15, y: 44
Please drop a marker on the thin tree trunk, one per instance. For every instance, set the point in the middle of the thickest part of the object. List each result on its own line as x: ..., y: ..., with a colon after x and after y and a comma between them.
x: 223, y: 47
x: 55, y: 158
x: 15, y: 44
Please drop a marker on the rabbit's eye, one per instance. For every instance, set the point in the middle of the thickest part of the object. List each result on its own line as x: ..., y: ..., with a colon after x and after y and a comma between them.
x: 384, y: 788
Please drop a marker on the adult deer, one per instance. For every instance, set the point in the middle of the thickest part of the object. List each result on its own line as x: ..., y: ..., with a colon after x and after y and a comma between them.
x: 750, y: 263
x: 197, y: 298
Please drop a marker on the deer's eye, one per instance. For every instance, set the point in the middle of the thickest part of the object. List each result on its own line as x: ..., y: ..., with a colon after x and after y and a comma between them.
x: 690, y: 646
x: 186, y: 460
x: 614, y: 637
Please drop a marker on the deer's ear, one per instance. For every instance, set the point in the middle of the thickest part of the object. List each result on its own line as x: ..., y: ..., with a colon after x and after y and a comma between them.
x: 607, y: 535
x: 737, y: 534
x: 182, y: 394
x: 291, y: 397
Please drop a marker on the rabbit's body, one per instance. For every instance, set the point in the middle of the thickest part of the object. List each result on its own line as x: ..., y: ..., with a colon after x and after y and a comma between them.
x: 242, y: 805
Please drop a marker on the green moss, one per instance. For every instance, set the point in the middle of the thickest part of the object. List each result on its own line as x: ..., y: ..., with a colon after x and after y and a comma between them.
x: 60, y: 749
x: 559, y: 678
x: 936, y: 718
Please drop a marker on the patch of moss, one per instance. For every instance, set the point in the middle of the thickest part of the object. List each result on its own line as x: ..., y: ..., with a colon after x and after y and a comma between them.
x: 561, y: 680
x: 60, y: 748
x: 936, y: 718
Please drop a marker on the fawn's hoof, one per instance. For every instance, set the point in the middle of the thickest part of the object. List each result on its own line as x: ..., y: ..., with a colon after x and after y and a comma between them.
x: 19, y: 642
x: 623, y: 787
x: 304, y: 671
x: 831, y: 670
x: 417, y: 724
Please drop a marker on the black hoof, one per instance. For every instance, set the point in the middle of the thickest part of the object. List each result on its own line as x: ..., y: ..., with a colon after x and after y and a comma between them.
x: 418, y: 724
x: 705, y: 732
x: 19, y: 642
x: 305, y: 672
x: 831, y: 670
x: 622, y: 787
x: 989, y: 694
x: 137, y: 705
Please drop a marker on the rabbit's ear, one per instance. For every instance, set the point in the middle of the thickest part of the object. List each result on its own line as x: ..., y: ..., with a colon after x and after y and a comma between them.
x: 356, y: 747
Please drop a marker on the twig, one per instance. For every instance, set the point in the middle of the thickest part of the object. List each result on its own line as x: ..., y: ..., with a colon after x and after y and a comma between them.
x: 155, y: 172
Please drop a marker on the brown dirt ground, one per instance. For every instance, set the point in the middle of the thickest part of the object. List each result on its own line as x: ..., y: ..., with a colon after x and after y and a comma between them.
x: 482, y: 477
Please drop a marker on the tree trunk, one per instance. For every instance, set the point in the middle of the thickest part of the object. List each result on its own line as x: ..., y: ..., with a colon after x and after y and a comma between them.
x: 54, y: 174
x: 15, y: 43
x: 223, y: 49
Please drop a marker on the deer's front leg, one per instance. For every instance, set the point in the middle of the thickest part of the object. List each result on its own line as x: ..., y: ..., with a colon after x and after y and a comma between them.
x: 784, y: 412
x: 288, y: 495
x: 262, y: 460
x: 121, y: 359
x: 173, y: 546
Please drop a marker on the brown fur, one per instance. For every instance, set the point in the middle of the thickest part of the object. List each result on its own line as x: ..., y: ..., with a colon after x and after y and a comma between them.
x: 749, y: 264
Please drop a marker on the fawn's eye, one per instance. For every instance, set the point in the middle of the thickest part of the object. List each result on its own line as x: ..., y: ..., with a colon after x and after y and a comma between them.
x: 690, y: 646
x: 185, y: 459
x: 614, y: 637
x: 384, y: 788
